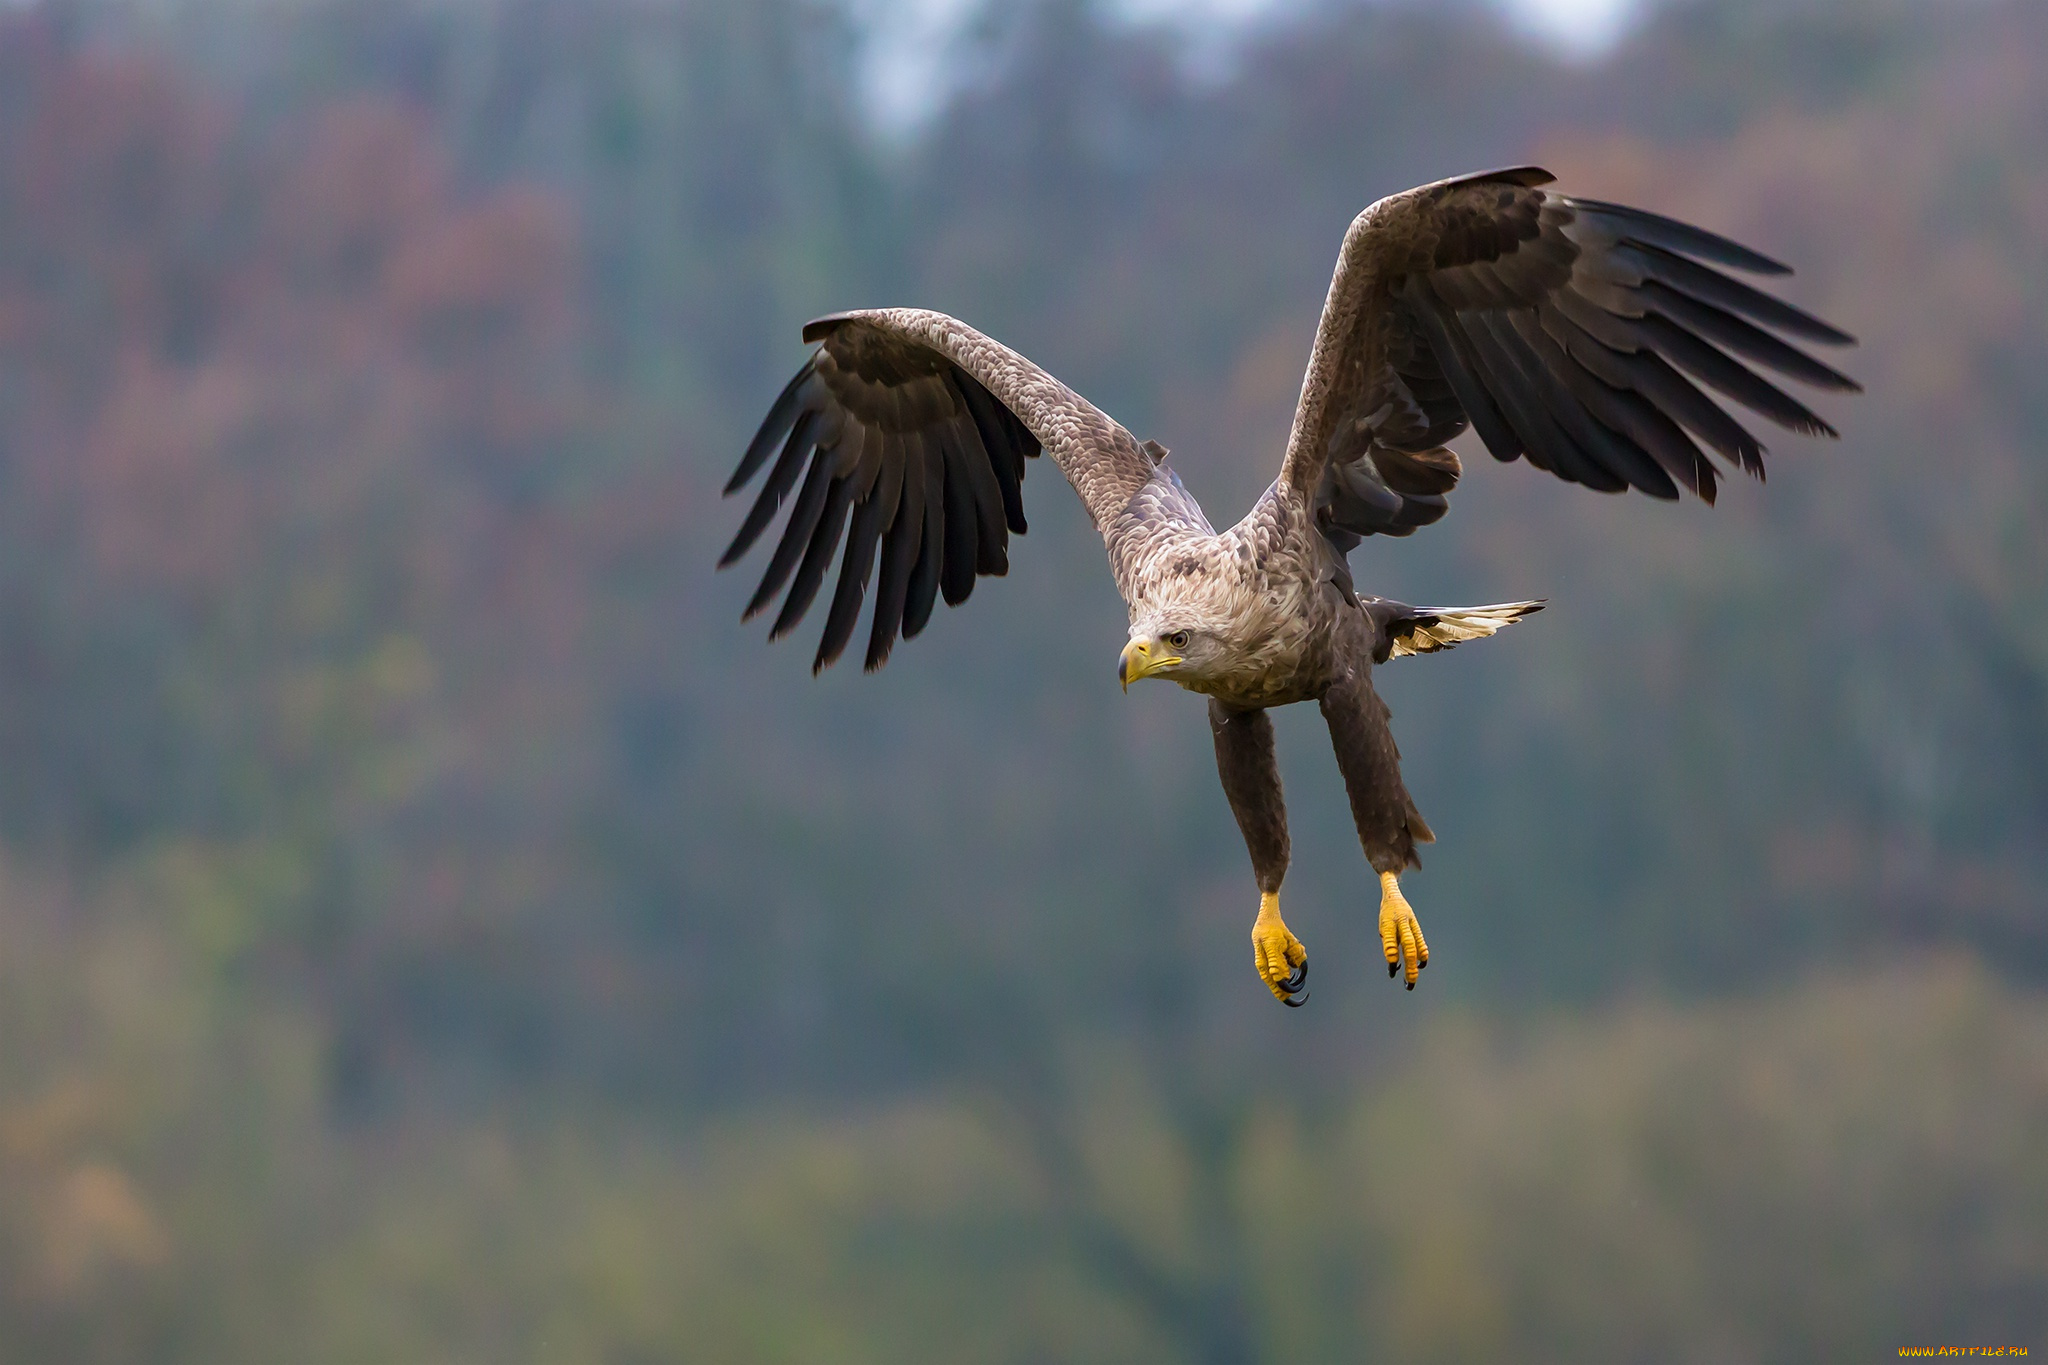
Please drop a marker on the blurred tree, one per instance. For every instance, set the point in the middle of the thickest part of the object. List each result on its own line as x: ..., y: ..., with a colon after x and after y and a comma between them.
x: 443, y: 931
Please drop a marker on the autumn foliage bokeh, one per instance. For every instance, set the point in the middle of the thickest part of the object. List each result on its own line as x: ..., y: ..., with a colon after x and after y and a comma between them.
x: 431, y: 927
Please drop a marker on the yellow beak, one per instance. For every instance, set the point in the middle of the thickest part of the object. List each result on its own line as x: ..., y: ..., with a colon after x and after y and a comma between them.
x: 1141, y: 659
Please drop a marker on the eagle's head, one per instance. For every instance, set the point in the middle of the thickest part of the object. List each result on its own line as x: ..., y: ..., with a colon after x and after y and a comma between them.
x: 1179, y: 654
x: 1194, y: 637
x: 1221, y: 614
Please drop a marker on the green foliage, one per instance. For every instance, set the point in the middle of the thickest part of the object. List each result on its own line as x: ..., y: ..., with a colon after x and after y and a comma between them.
x: 1823, y: 1172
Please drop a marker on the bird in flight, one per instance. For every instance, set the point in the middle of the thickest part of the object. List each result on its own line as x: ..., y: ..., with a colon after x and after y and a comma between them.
x: 1570, y: 331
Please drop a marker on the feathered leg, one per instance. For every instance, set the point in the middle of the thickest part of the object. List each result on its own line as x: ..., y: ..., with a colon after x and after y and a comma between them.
x: 1389, y: 826
x: 1251, y: 780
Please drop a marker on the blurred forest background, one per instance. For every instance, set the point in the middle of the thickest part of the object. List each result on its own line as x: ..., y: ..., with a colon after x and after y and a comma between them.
x: 433, y: 929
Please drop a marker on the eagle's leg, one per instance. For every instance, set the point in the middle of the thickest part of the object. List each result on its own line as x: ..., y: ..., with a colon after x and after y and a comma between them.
x: 1251, y: 779
x: 1389, y: 826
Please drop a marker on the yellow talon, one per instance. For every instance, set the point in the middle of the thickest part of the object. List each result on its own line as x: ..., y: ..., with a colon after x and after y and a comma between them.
x: 1280, y: 957
x: 1400, y: 934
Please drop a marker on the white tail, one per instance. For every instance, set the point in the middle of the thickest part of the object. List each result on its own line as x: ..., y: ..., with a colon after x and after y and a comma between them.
x: 1429, y: 629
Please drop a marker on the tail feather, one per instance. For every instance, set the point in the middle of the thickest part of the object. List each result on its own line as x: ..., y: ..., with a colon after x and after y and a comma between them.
x: 1424, y: 630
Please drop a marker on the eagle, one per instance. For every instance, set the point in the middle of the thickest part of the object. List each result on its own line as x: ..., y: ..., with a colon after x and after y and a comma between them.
x: 1572, y: 332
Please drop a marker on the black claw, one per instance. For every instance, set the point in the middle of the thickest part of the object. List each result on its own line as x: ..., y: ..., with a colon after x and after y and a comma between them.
x: 1411, y: 985
x: 1295, y: 1002
x: 1392, y: 967
x: 1296, y: 979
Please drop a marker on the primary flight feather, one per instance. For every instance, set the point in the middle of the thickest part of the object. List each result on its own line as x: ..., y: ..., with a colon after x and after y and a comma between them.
x: 1572, y: 332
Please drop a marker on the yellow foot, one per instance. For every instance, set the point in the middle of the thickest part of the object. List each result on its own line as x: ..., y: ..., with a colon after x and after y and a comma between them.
x: 1278, y: 954
x: 1400, y: 935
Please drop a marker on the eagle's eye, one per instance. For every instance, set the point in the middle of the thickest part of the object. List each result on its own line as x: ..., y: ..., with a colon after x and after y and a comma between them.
x: 1179, y: 639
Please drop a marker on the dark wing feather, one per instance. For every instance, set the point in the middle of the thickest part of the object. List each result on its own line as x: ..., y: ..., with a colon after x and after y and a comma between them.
x: 910, y: 432
x: 924, y: 575
x: 1657, y: 230
x: 1575, y: 332
x: 810, y: 507
x: 795, y: 451
x: 899, y: 555
x: 824, y: 538
x: 780, y: 415
x: 963, y: 525
x: 1007, y: 441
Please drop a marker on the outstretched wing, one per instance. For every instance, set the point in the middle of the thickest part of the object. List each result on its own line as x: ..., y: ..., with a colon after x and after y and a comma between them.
x: 914, y: 429
x: 1572, y: 331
